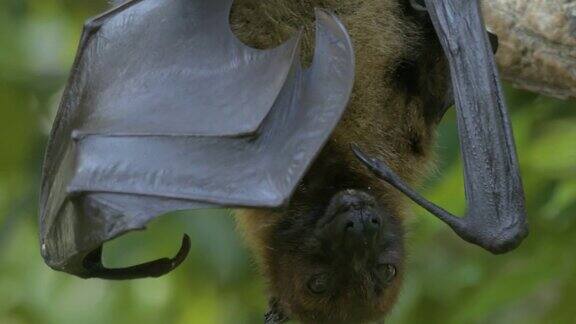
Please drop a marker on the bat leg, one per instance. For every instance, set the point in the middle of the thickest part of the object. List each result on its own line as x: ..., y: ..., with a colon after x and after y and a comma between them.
x: 420, y: 7
x: 95, y: 268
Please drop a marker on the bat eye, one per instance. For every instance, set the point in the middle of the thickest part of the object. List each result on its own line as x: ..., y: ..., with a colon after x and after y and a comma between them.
x: 388, y: 272
x: 318, y: 284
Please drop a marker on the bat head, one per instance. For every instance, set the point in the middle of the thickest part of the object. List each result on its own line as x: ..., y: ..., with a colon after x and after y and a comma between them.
x: 340, y: 264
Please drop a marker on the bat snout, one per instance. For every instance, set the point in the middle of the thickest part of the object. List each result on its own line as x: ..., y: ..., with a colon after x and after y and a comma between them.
x: 355, y: 220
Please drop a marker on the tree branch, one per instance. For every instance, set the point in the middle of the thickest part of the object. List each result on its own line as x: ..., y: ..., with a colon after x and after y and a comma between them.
x: 537, y: 44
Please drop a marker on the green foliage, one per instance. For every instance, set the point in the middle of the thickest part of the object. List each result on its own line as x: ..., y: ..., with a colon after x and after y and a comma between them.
x: 448, y: 281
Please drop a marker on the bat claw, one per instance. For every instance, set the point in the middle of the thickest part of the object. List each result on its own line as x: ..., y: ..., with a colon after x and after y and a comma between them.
x: 377, y: 167
x: 182, y: 253
x: 95, y: 268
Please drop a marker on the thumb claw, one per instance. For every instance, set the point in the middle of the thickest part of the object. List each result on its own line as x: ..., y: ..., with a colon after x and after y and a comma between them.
x: 95, y: 268
x: 377, y: 167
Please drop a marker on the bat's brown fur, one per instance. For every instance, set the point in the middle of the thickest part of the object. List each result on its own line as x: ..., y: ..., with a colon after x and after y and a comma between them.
x: 399, y: 96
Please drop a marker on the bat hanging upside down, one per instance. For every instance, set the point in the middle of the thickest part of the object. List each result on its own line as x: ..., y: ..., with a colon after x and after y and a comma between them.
x: 313, y: 124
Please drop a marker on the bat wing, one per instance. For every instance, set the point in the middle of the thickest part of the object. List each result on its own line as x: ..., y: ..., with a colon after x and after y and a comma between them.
x: 167, y: 110
x: 496, y: 215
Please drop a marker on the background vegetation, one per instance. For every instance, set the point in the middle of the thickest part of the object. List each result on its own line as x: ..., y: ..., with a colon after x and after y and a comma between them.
x: 448, y: 281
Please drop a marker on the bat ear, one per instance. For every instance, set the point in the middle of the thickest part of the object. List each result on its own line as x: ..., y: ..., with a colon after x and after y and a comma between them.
x: 418, y: 5
x: 275, y: 315
x: 419, y: 8
x: 494, y: 41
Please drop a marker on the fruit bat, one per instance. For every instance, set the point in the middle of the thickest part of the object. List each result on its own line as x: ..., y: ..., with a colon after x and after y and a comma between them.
x: 166, y: 110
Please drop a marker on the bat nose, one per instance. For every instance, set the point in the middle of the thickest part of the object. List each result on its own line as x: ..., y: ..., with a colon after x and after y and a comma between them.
x: 362, y: 225
x: 356, y: 221
x: 360, y: 230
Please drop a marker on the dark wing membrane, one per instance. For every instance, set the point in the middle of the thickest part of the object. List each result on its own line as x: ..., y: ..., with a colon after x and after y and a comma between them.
x: 496, y: 216
x: 166, y: 110
x: 173, y: 68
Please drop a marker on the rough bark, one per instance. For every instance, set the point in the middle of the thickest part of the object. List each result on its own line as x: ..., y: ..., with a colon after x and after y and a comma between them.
x: 537, y: 43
